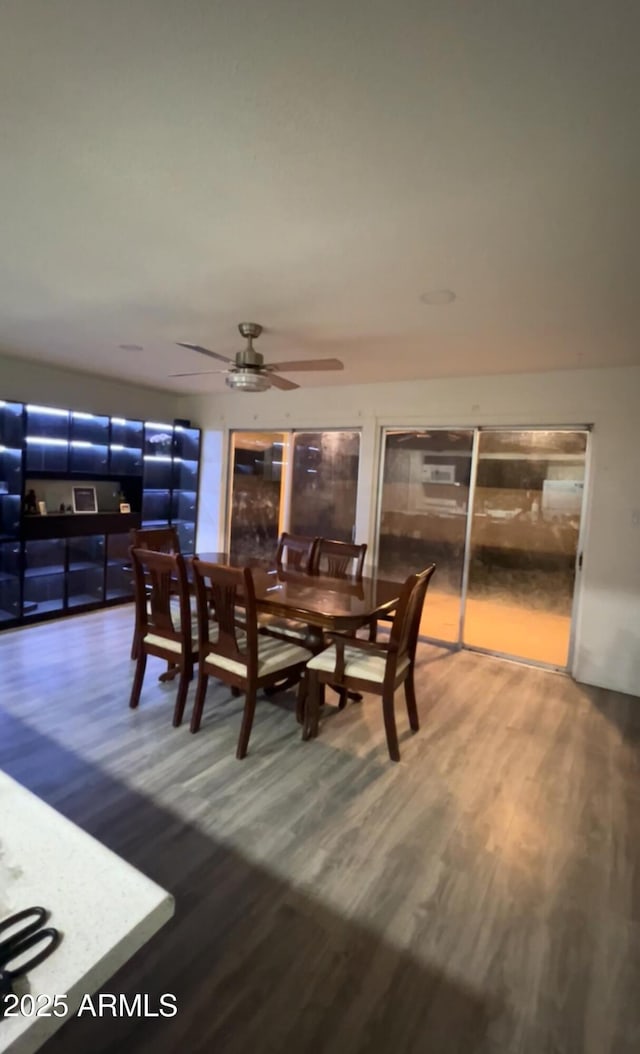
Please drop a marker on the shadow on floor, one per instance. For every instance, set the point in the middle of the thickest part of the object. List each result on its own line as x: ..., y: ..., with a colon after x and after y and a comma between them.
x: 256, y: 965
x: 620, y: 711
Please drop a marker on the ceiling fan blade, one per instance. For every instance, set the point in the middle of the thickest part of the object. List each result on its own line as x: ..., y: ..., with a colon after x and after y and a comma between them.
x: 204, y: 351
x: 281, y: 382
x: 200, y: 373
x: 306, y: 364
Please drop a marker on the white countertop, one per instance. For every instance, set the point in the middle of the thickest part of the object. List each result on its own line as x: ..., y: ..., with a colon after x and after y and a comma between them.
x: 105, y: 909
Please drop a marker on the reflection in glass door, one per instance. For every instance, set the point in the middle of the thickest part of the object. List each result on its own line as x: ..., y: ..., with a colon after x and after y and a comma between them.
x: 423, y: 518
x: 524, y: 541
x: 257, y: 459
x: 303, y: 482
x: 324, y: 484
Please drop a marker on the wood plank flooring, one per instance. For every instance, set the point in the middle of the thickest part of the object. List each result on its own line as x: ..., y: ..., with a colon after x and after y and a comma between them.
x: 481, y: 897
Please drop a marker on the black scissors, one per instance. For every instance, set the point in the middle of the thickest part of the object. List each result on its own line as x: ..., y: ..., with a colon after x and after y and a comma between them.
x: 27, y: 933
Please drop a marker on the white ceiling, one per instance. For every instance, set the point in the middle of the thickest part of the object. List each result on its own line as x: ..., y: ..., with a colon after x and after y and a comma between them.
x: 169, y: 169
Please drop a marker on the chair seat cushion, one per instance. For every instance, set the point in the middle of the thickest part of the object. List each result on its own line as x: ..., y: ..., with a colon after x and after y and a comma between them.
x: 163, y: 642
x: 358, y: 664
x: 175, y: 645
x: 273, y: 655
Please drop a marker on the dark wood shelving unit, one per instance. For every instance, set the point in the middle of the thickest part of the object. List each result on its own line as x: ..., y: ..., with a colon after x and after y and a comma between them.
x: 64, y: 562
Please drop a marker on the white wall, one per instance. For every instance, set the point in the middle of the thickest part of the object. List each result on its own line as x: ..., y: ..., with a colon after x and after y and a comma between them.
x: 35, y: 382
x: 607, y: 651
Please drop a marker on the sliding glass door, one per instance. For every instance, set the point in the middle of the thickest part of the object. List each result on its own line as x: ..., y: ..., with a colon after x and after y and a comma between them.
x: 499, y: 512
x: 423, y: 518
x: 302, y: 482
x: 325, y: 484
x: 257, y: 481
x: 524, y: 543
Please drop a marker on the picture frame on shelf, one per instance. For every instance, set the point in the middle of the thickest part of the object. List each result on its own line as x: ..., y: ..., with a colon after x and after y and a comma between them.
x: 84, y: 499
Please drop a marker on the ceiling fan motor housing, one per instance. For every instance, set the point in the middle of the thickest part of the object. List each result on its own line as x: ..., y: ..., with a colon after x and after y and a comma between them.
x: 249, y: 358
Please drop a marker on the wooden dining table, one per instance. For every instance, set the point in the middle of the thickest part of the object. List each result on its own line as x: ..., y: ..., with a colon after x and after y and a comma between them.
x: 322, y: 603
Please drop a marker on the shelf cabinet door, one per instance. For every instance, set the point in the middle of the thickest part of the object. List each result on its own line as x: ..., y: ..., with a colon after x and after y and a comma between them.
x: 89, y: 428
x: 126, y: 449
x: 85, y: 570
x: 47, y: 439
x: 119, y: 572
x: 44, y: 577
x: 187, y: 443
x: 11, y: 439
x: 184, y: 497
x: 88, y: 458
x: 9, y: 582
x: 125, y: 461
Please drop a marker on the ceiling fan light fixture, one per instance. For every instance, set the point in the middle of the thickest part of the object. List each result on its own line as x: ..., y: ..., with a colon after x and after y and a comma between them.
x: 248, y: 372
x: 248, y: 381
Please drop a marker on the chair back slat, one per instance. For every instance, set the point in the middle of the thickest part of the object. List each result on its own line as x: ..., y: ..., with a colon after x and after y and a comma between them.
x: 339, y: 559
x: 296, y: 552
x: 229, y: 592
x: 157, y: 578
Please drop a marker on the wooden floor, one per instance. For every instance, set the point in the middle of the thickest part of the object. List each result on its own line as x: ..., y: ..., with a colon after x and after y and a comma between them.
x: 481, y: 896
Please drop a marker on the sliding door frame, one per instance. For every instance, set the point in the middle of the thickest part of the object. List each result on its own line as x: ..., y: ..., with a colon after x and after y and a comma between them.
x: 386, y: 428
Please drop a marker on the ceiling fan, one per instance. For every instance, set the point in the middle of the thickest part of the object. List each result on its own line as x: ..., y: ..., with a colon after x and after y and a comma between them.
x: 248, y: 372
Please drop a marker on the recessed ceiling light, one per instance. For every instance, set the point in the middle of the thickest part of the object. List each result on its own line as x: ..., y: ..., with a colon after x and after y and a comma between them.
x: 131, y: 347
x: 438, y: 296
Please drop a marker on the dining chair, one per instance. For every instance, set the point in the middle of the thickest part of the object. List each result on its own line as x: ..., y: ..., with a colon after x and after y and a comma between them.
x: 338, y: 559
x: 236, y: 653
x: 159, y: 540
x: 164, y: 626
x: 296, y: 552
x: 373, y: 666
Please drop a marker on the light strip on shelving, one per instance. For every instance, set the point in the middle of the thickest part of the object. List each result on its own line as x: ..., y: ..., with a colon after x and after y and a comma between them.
x: 46, y: 442
x: 47, y: 410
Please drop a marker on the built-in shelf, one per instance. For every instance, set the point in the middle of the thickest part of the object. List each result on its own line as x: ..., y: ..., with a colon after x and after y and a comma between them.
x: 64, y: 561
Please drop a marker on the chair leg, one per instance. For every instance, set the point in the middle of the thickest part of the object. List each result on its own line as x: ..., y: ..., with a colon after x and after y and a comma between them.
x: 247, y: 722
x: 410, y: 696
x: 198, y: 706
x: 301, y: 701
x: 186, y: 675
x: 390, y: 726
x: 169, y: 673
x: 311, y: 707
x: 138, y: 678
